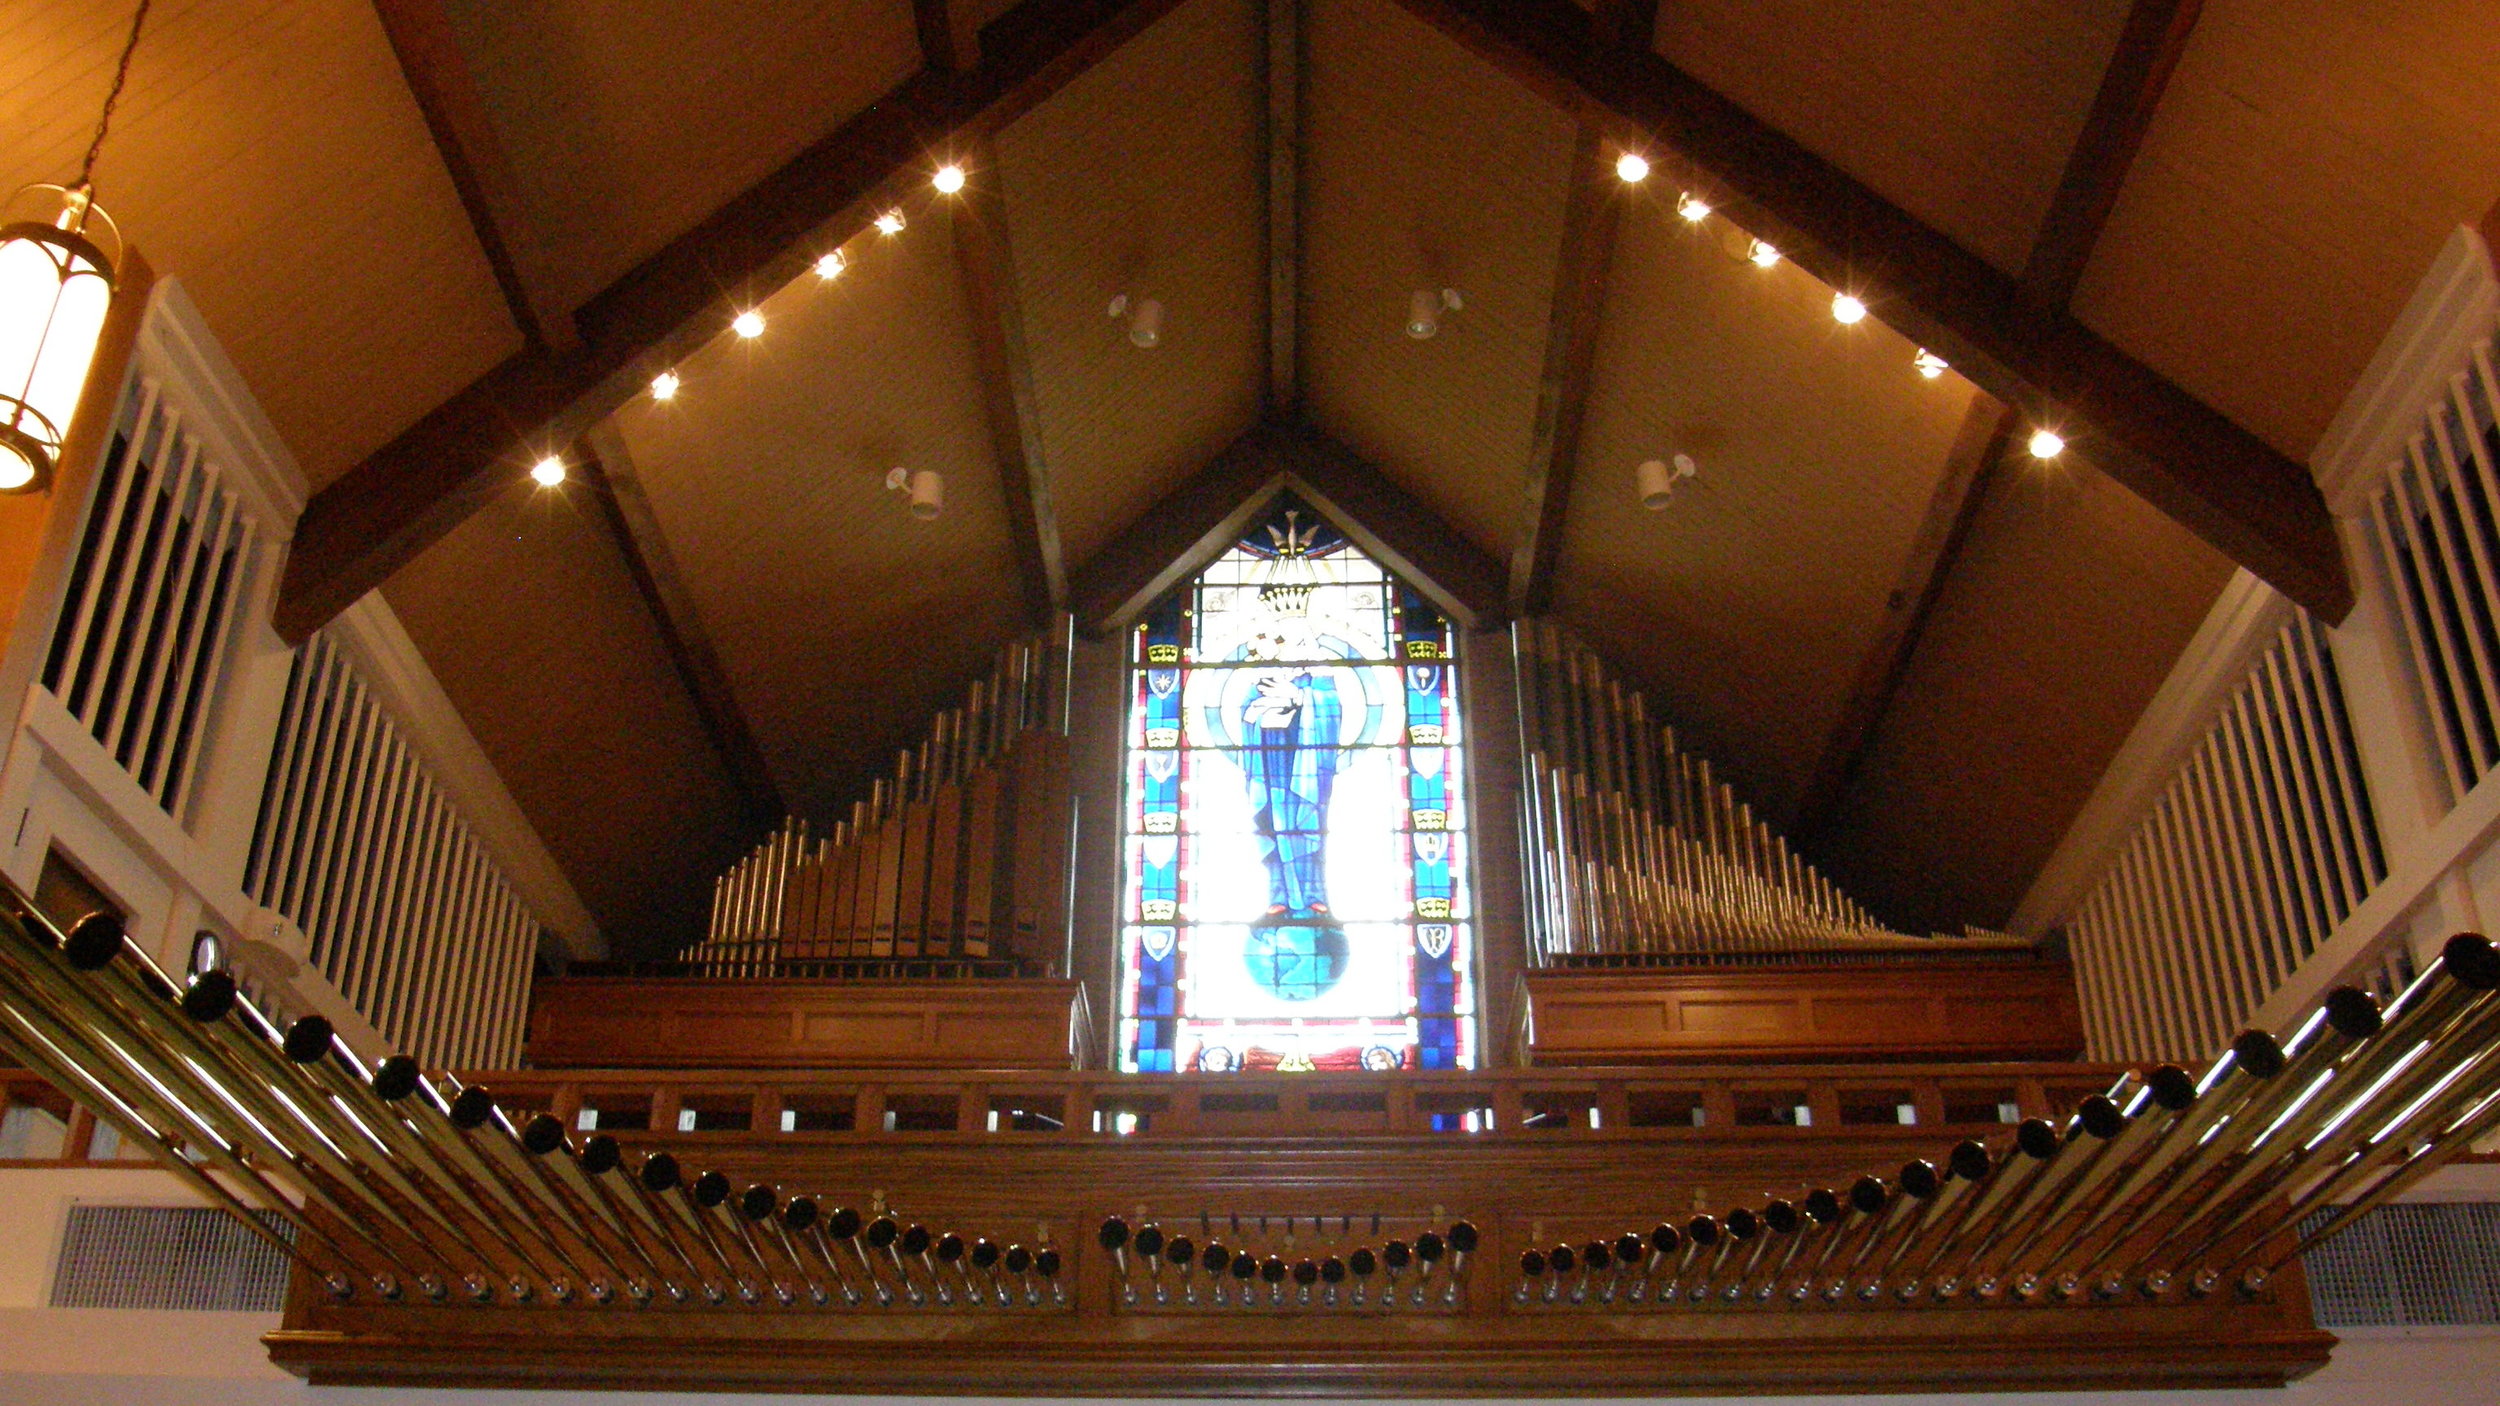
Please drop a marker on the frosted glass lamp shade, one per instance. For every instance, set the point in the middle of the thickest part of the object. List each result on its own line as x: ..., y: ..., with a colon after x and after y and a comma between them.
x: 55, y: 286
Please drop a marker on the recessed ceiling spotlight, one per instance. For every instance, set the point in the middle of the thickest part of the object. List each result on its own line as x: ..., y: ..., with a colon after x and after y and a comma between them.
x: 1424, y: 309
x: 830, y: 267
x: 891, y: 222
x: 1632, y: 167
x: 1929, y: 364
x: 1692, y: 207
x: 1761, y: 254
x: 548, y: 471
x: 1847, y: 310
x: 2047, y: 444
x: 664, y: 386
x: 749, y: 324
x: 949, y: 179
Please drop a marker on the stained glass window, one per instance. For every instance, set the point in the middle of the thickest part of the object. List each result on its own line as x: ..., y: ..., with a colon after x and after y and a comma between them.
x: 1296, y: 847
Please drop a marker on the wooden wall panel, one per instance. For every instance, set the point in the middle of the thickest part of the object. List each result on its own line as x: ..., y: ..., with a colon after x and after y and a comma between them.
x: 677, y: 1023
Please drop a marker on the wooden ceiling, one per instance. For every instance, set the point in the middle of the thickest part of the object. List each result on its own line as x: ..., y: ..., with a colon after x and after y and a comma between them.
x: 1918, y: 655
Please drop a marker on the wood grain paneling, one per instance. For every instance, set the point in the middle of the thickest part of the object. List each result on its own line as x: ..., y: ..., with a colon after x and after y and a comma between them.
x: 1940, y: 1011
x: 602, y: 1022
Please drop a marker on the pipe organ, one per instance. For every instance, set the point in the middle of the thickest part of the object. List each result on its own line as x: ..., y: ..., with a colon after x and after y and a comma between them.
x: 445, y: 1236
x: 957, y: 864
x: 1634, y: 854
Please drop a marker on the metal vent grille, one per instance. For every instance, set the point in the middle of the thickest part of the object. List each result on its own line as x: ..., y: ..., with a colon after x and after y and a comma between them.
x: 180, y: 1257
x: 2408, y: 1266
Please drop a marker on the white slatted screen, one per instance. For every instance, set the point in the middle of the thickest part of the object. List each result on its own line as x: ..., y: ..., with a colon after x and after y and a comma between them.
x: 140, y: 652
x: 358, y: 846
x: 2262, y: 843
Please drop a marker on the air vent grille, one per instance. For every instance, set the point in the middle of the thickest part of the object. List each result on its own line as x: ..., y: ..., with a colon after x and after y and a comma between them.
x: 167, y: 1257
x: 2408, y: 1266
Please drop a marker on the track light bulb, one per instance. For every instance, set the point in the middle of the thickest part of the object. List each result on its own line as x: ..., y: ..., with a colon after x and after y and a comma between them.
x: 1692, y: 207
x: 891, y: 222
x: 1631, y: 167
x: 1762, y: 254
x: 548, y: 471
x: 749, y: 325
x: 1929, y: 364
x: 2047, y: 444
x: 830, y: 267
x: 664, y: 386
x: 949, y: 179
x: 1847, y: 310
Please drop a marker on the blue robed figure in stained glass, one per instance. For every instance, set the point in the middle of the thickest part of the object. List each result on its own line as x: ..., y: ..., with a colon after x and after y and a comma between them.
x: 1291, y: 724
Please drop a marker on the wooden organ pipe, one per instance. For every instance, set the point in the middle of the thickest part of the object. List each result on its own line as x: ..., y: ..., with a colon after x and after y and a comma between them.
x: 959, y: 856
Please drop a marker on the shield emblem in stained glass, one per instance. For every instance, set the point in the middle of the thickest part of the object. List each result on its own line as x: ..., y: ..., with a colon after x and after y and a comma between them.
x: 1296, y: 850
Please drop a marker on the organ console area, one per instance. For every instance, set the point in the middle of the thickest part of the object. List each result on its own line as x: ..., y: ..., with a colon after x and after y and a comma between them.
x: 868, y: 1132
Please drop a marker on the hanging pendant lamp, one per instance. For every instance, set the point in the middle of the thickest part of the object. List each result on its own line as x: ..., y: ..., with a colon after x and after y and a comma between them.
x: 58, y: 256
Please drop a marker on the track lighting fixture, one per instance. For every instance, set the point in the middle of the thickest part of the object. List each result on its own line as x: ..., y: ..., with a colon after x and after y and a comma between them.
x: 923, y: 489
x: 1657, y: 481
x: 1424, y: 309
x: 1145, y: 319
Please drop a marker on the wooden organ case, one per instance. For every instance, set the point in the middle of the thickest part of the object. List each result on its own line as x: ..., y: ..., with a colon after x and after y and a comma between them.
x: 850, y: 1140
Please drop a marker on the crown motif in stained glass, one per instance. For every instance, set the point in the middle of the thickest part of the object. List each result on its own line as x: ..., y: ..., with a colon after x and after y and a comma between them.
x: 1287, y: 590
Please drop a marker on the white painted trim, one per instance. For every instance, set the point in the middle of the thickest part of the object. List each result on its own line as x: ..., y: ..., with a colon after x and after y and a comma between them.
x: 176, y: 346
x: 2456, y: 305
x: 374, y: 641
x: 2242, y: 625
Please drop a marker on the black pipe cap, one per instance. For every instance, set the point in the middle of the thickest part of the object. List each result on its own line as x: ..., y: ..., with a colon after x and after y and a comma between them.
x: 799, y: 1213
x: 1018, y: 1259
x: 1046, y: 1263
x: 1332, y: 1270
x: 1561, y: 1258
x: 1532, y: 1263
x: 1305, y: 1273
x: 1664, y: 1239
x: 1179, y: 1250
x: 1362, y: 1261
x: 1597, y: 1254
x: 881, y: 1232
x: 2172, y: 1087
x: 843, y: 1223
x: 1114, y: 1233
x: 471, y: 1107
x: 395, y: 1078
x: 2037, y: 1137
x: 1273, y: 1271
x: 1428, y: 1247
x: 1743, y: 1224
x: 210, y: 997
x: 1970, y: 1160
x: 758, y: 1203
x: 1781, y: 1216
x: 710, y: 1189
x: 1463, y: 1237
x: 1823, y: 1204
x: 2259, y: 1053
x: 2101, y: 1117
x: 916, y: 1240
x: 950, y: 1247
x: 1396, y: 1254
x: 1150, y: 1240
x: 1918, y: 1178
x: 2353, y: 1012
x: 1869, y: 1195
x: 1245, y: 1265
x: 1702, y: 1230
x: 601, y: 1155
x: 1630, y: 1248
x: 543, y: 1134
x: 93, y: 942
x: 984, y: 1254
x: 308, y: 1040
x: 659, y: 1172
x: 2471, y: 960
x: 1215, y: 1259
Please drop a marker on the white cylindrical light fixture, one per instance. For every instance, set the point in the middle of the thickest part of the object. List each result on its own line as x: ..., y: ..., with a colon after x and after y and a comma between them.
x: 1423, y: 314
x: 57, y: 256
x: 928, y: 494
x: 1656, y: 484
x: 1145, y: 324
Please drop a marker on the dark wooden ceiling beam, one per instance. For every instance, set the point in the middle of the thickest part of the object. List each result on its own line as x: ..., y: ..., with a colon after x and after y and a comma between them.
x: 1987, y: 428
x: 438, y: 76
x: 985, y: 258
x: 949, y: 43
x: 2149, y: 47
x: 1195, y: 522
x: 602, y: 464
x: 1284, y: 207
x: 2248, y: 500
x: 373, y: 518
x: 1593, y: 211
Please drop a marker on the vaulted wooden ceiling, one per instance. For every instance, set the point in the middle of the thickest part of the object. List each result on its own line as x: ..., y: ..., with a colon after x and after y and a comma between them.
x: 442, y: 236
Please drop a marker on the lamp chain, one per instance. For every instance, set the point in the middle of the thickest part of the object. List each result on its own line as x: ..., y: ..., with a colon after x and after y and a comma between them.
x: 121, y: 75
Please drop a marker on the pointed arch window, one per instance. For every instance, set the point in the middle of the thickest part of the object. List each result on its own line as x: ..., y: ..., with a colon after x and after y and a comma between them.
x: 1297, y: 891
